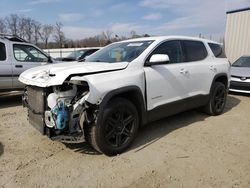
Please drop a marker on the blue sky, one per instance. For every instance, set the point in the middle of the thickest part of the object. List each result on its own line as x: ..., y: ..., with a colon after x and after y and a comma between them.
x: 84, y: 18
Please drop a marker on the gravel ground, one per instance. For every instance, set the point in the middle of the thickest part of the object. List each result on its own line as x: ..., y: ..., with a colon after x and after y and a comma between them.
x: 190, y: 149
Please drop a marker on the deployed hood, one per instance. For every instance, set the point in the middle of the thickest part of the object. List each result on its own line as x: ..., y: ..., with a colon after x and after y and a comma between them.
x: 56, y: 74
x: 240, y: 71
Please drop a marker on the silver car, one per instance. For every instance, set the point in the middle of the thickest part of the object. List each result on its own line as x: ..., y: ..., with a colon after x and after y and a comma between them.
x: 16, y: 56
x: 240, y: 75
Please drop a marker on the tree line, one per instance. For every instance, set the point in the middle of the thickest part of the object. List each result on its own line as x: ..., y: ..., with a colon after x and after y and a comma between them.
x: 52, y: 36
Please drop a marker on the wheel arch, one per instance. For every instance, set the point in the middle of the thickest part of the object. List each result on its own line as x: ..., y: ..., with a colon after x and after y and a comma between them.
x: 221, y: 77
x: 131, y: 93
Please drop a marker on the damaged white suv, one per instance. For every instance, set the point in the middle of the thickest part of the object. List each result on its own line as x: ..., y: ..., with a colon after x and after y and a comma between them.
x: 124, y: 85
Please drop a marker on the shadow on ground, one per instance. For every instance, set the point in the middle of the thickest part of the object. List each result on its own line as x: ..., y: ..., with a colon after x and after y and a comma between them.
x: 10, y: 101
x: 84, y: 148
x: 154, y: 131
x: 1, y: 148
x: 232, y: 102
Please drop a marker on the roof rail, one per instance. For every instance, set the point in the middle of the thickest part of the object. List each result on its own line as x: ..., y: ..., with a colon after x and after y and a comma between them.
x: 12, y: 37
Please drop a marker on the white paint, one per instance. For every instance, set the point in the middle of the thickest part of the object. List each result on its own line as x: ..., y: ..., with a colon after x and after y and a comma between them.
x: 164, y: 83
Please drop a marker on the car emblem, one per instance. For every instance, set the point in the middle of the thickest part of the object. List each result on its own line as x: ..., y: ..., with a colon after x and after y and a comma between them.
x: 243, y: 78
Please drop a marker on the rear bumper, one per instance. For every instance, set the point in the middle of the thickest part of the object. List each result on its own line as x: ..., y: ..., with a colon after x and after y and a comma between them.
x: 237, y: 86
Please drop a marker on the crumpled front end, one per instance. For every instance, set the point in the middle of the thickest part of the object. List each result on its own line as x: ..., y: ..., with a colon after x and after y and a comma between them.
x: 58, y: 111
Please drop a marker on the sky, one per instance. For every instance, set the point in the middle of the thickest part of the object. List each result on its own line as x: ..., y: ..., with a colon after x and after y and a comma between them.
x: 85, y: 18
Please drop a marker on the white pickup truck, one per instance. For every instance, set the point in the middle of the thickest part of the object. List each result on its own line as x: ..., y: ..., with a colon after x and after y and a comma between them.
x: 16, y: 56
x: 124, y: 85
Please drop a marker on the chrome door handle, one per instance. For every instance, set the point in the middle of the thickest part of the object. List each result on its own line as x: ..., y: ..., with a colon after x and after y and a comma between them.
x: 183, y: 71
x: 212, y: 68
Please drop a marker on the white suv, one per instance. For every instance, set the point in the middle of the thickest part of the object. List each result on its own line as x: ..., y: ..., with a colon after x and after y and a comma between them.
x: 124, y: 85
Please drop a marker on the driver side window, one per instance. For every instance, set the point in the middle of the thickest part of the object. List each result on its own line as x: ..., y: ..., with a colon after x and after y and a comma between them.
x: 170, y: 48
x: 26, y: 53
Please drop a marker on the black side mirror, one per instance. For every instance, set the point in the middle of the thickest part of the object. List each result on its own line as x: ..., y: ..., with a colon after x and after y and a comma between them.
x: 50, y: 59
x: 82, y: 60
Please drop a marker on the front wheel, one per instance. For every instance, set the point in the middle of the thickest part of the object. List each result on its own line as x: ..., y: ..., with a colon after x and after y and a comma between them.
x: 217, y: 100
x: 116, y: 127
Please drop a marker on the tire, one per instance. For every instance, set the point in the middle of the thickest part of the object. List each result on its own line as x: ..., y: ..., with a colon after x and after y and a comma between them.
x: 217, y: 100
x: 115, y: 128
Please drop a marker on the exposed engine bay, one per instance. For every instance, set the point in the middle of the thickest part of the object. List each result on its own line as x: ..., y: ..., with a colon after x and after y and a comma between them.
x: 58, y: 111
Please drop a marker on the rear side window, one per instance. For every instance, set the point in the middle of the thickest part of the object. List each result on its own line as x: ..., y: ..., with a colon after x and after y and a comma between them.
x: 193, y: 50
x: 217, y: 50
x: 2, y: 52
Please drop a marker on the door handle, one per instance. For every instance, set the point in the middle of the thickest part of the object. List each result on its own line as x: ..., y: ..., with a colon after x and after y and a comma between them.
x: 212, y: 68
x: 18, y: 66
x: 183, y: 71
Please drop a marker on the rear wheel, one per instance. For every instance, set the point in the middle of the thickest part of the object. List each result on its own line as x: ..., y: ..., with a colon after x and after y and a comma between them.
x: 217, y: 101
x: 115, y: 129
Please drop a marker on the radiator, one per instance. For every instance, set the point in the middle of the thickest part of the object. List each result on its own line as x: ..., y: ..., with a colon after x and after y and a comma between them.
x: 36, y: 103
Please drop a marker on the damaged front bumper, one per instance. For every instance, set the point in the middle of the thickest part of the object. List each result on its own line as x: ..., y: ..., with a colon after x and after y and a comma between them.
x: 58, y: 113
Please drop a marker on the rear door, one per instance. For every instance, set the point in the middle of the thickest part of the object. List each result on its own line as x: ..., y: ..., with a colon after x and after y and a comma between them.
x: 199, y: 67
x: 5, y: 68
x: 25, y: 57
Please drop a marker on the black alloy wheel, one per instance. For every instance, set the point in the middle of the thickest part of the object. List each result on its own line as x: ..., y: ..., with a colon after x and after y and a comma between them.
x: 119, y: 127
x: 116, y: 127
x: 217, y: 100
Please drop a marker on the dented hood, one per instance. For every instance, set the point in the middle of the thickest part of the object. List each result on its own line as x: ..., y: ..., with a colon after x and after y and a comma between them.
x: 56, y: 74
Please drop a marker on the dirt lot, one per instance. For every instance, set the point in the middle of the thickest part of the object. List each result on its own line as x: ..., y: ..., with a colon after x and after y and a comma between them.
x: 187, y: 150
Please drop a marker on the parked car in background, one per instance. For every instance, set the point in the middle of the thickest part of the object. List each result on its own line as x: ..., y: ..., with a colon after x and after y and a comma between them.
x: 16, y: 56
x: 240, y: 75
x: 123, y: 86
x: 78, y: 55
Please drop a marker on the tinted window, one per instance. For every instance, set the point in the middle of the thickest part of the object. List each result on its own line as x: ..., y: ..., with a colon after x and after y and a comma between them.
x: 2, y: 52
x: 217, y: 50
x: 242, y: 62
x: 87, y: 53
x: 28, y: 53
x: 170, y: 48
x: 194, y: 50
x: 76, y: 54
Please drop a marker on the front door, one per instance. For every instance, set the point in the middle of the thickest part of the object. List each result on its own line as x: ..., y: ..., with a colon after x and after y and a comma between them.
x: 166, y: 83
x: 25, y: 57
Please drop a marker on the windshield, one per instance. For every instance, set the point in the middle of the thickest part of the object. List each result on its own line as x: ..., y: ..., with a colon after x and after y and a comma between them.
x: 118, y: 52
x: 76, y: 54
x: 242, y: 62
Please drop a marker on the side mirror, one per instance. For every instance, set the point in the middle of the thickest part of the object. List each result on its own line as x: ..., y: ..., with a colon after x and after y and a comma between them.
x: 83, y: 59
x: 50, y: 59
x: 158, y: 59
